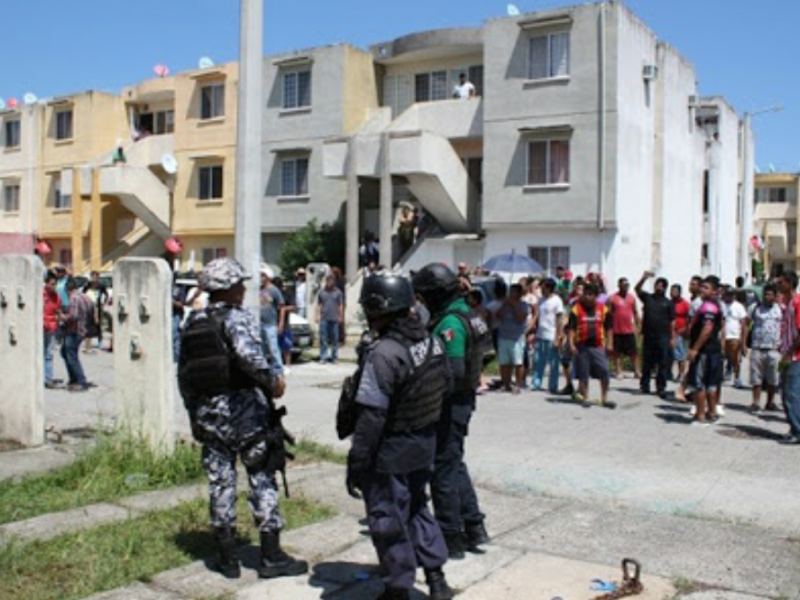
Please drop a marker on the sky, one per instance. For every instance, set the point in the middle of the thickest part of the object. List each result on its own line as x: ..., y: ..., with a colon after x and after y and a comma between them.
x: 742, y: 50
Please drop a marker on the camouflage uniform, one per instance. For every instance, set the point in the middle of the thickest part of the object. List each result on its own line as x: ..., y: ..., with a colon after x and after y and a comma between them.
x: 236, y: 423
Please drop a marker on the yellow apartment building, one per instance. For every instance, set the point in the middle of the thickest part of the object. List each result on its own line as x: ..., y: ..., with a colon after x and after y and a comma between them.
x: 776, y: 218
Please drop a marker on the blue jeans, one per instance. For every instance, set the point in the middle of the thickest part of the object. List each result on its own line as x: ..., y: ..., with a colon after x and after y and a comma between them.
x: 49, y: 349
x: 545, y: 356
x: 69, y: 352
x: 329, y: 340
x: 791, y: 397
x: 176, y: 337
x: 269, y: 340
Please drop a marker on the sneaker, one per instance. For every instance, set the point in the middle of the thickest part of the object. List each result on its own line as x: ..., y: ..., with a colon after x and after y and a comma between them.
x: 609, y: 404
x: 536, y: 385
x: 738, y: 384
x: 720, y: 410
x: 568, y: 390
x: 754, y: 409
x: 77, y: 387
x: 578, y: 397
x: 789, y: 440
x: 515, y: 391
x: 51, y: 385
x: 698, y: 423
x: 662, y: 394
x: 772, y: 407
x: 287, y: 371
x: 693, y: 411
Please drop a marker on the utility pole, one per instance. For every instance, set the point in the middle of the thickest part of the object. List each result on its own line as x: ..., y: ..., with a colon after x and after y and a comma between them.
x: 747, y: 210
x: 249, y: 192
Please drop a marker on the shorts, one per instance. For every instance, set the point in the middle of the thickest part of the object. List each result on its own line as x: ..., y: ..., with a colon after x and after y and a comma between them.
x: 591, y: 362
x: 732, y: 348
x: 624, y: 344
x: 705, y: 373
x: 286, y: 340
x: 764, y: 367
x: 565, y: 355
x: 510, y: 352
x: 679, y: 353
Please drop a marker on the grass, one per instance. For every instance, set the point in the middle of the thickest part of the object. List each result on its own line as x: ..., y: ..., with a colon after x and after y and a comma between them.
x: 308, y: 451
x: 110, y: 556
x: 684, y: 585
x: 101, y: 473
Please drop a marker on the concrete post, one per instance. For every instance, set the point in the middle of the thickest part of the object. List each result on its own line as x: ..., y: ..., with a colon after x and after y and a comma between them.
x: 144, y: 373
x: 352, y: 226
x: 386, y: 219
x: 77, y: 222
x: 96, y: 258
x: 249, y: 192
x: 22, y: 350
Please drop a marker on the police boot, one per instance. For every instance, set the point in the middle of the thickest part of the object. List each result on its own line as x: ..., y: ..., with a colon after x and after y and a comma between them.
x: 274, y: 561
x: 227, y: 563
x: 437, y: 584
x: 391, y: 593
x: 456, y: 547
x: 476, y: 536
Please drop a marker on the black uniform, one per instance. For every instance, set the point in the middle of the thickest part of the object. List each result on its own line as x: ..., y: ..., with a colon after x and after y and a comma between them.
x: 399, y: 397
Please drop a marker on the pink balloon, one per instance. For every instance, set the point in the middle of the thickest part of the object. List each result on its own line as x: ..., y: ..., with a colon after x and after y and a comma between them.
x: 161, y: 70
x: 12, y: 103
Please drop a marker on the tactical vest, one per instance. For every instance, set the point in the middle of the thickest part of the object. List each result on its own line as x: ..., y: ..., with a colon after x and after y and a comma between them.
x: 418, y: 403
x: 206, y: 367
x: 479, y: 342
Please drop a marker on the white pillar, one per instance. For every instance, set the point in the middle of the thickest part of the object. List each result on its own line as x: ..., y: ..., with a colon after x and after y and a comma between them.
x: 352, y: 232
x: 747, y: 211
x: 144, y: 372
x: 249, y: 192
x: 385, y: 211
x: 22, y: 350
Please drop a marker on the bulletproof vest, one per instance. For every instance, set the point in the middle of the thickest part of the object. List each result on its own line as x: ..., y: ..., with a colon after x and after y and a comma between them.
x: 206, y: 367
x: 418, y: 402
x: 479, y: 342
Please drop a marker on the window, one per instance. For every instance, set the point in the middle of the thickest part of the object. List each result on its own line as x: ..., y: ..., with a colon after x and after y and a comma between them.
x: 165, y: 122
x: 210, y: 254
x: 550, y: 257
x: 294, y: 177
x: 212, y: 101
x: 65, y: 257
x: 706, y: 192
x: 64, y: 125
x: 548, y: 56
x: 431, y: 86
x: 548, y: 162
x: 297, y: 89
x: 12, y: 131
x: 60, y: 201
x: 772, y: 195
x: 11, y: 198
x: 210, y: 182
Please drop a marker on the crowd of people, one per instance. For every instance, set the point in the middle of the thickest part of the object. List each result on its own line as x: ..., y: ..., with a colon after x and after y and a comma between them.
x: 572, y: 329
x: 73, y: 321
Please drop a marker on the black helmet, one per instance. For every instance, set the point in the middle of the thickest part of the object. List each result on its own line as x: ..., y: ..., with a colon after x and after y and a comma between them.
x: 385, y: 294
x: 437, y: 285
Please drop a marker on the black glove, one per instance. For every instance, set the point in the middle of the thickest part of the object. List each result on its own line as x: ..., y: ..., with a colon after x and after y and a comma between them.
x: 354, y: 484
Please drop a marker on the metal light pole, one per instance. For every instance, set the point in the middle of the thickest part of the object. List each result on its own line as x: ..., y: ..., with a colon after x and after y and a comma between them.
x: 249, y: 193
x: 746, y: 201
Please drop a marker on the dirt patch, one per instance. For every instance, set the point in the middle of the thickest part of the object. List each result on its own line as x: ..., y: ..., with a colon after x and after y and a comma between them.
x: 10, y: 446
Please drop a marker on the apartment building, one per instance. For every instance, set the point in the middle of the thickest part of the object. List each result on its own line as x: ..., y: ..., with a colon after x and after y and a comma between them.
x: 775, y: 222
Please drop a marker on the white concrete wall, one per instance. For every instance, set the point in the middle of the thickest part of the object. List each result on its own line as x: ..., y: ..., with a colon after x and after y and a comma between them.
x: 22, y: 166
x: 143, y: 367
x: 21, y: 350
x: 727, y: 240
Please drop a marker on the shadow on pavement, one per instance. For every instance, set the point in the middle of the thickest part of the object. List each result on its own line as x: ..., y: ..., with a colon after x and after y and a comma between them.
x: 355, y: 579
x: 748, y: 432
x: 197, y: 544
x: 675, y: 419
x: 678, y: 408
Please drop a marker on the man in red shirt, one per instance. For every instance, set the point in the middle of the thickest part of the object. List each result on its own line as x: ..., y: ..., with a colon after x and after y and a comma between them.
x: 52, y: 308
x: 625, y: 317
x: 681, y: 329
x: 790, y: 348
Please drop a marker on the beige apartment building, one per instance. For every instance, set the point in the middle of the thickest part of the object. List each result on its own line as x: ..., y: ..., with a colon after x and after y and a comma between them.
x: 100, y: 176
x: 776, y: 218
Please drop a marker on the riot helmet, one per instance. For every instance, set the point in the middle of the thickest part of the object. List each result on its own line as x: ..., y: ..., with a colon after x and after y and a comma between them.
x: 437, y: 285
x: 385, y: 294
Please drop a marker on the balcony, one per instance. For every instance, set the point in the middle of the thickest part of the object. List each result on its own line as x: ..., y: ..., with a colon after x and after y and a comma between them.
x: 451, y: 119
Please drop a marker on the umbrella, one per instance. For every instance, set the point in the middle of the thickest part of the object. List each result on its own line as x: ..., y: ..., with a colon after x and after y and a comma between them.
x: 513, y: 263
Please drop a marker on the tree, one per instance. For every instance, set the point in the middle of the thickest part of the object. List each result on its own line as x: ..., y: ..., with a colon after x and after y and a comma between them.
x: 312, y: 243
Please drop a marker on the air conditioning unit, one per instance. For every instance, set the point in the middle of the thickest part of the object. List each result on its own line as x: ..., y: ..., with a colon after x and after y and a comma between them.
x: 650, y: 72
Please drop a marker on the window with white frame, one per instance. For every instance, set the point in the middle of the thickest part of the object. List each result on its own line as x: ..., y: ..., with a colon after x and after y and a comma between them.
x: 212, y: 101
x: 770, y: 195
x: 297, y: 89
x: 11, y: 197
x: 210, y: 185
x: 60, y: 201
x: 550, y: 257
x: 548, y: 162
x: 12, y: 132
x: 294, y: 177
x: 431, y: 86
x: 64, y: 124
x: 548, y: 55
x: 210, y: 254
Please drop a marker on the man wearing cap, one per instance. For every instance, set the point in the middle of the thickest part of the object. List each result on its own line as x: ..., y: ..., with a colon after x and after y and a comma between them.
x: 270, y: 301
x: 225, y: 381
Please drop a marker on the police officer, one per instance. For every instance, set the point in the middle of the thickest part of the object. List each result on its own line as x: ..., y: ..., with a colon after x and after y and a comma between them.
x: 398, y: 402
x: 454, y: 500
x: 224, y: 376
